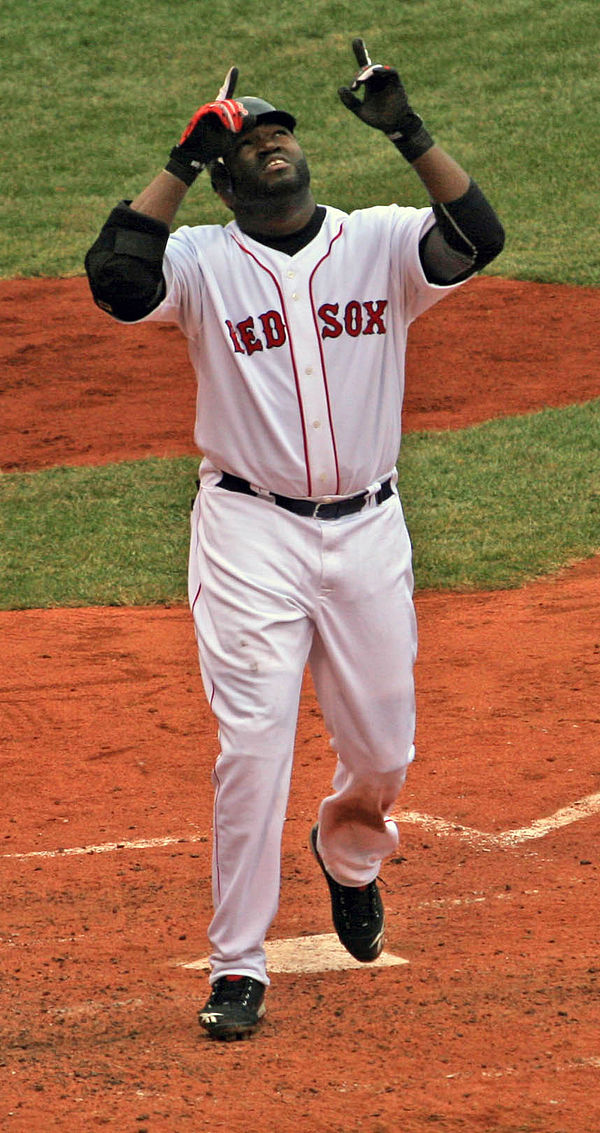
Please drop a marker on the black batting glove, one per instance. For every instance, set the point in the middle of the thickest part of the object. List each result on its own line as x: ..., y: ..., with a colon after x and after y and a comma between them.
x: 385, y: 105
x: 209, y: 132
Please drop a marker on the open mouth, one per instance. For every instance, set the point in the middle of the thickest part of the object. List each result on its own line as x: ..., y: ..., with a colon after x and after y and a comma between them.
x: 276, y: 163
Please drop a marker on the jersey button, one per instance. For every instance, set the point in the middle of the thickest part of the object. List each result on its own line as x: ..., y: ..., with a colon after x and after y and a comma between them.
x: 316, y: 424
x: 295, y: 295
x: 308, y: 370
x: 291, y: 274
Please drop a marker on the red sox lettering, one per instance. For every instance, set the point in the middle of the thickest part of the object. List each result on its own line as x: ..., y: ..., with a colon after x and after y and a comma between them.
x: 243, y: 335
x: 268, y: 330
x: 358, y: 318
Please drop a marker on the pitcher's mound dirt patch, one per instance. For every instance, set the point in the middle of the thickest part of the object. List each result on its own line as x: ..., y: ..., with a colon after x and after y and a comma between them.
x: 79, y: 389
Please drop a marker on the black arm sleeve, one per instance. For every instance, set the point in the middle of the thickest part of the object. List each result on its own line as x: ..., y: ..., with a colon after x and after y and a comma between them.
x: 467, y: 236
x: 124, y: 264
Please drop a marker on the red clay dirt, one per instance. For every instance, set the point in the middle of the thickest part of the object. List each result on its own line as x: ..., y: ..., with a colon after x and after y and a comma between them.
x: 492, y: 1026
x: 78, y: 388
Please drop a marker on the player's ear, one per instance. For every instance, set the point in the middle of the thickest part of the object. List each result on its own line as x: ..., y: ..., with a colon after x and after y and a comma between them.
x: 220, y: 180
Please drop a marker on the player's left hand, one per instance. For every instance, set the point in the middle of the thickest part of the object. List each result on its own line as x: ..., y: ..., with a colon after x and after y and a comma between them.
x: 385, y: 104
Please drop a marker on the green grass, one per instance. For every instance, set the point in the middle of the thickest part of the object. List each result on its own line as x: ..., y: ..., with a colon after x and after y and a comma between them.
x: 490, y: 506
x: 505, y: 502
x: 98, y: 92
x: 105, y: 536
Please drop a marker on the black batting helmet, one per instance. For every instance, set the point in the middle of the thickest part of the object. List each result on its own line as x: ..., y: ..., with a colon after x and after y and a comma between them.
x: 264, y: 112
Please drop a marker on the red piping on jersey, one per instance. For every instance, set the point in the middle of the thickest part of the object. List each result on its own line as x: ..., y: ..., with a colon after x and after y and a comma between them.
x: 294, y: 367
x: 323, y: 367
x: 215, y: 805
x: 216, y: 828
x: 196, y: 598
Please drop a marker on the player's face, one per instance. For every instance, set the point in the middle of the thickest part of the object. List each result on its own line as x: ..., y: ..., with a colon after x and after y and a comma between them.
x: 267, y: 162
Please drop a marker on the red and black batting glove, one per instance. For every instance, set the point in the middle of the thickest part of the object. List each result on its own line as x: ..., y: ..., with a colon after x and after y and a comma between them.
x: 209, y: 132
x: 385, y: 105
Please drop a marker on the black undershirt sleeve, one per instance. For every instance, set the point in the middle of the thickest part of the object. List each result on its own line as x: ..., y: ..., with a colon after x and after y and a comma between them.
x: 124, y: 264
x: 467, y: 236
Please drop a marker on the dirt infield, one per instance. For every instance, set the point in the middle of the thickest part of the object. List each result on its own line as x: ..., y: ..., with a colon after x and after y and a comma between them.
x: 79, y: 389
x: 492, y: 1025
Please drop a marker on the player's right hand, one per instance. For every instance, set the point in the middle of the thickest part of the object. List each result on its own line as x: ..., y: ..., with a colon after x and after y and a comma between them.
x: 209, y: 132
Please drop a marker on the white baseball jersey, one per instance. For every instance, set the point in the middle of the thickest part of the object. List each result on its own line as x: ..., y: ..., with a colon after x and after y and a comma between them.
x: 300, y: 359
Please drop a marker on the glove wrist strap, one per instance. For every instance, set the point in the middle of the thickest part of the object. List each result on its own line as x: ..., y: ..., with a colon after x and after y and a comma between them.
x: 412, y: 144
x: 183, y: 166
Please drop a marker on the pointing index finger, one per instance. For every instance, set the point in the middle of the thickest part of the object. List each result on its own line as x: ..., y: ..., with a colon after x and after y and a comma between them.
x: 362, y: 55
x: 228, y: 87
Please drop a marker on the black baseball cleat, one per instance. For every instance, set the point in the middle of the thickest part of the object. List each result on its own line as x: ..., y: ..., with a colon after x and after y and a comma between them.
x: 234, y: 1009
x: 358, y: 914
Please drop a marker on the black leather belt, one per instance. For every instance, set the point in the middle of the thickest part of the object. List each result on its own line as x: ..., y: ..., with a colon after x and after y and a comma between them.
x: 311, y: 508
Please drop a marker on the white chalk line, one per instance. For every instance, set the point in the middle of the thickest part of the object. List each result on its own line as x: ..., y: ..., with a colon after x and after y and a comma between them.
x: 539, y: 828
x: 110, y: 847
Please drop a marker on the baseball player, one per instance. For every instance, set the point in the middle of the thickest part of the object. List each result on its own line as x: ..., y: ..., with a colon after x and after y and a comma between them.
x: 296, y: 316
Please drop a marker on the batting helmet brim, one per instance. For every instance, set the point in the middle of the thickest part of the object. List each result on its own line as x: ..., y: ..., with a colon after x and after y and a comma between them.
x: 263, y: 111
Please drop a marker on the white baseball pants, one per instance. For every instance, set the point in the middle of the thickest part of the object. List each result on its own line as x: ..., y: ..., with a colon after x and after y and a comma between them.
x: 271, y: 591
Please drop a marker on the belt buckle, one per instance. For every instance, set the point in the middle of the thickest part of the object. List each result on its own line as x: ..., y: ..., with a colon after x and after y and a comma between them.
x: 357, y: 504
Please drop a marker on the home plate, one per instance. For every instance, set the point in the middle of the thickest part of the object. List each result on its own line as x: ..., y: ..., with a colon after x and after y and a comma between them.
x: 312, y: 954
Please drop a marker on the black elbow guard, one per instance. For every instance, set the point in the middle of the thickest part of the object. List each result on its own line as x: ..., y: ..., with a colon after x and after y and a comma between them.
x: 470, y: 226
x: 124, y: 264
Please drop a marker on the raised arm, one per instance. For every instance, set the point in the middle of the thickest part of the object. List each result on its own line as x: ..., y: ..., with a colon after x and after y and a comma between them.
x: 124, y: 264
x: 467, y: 234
